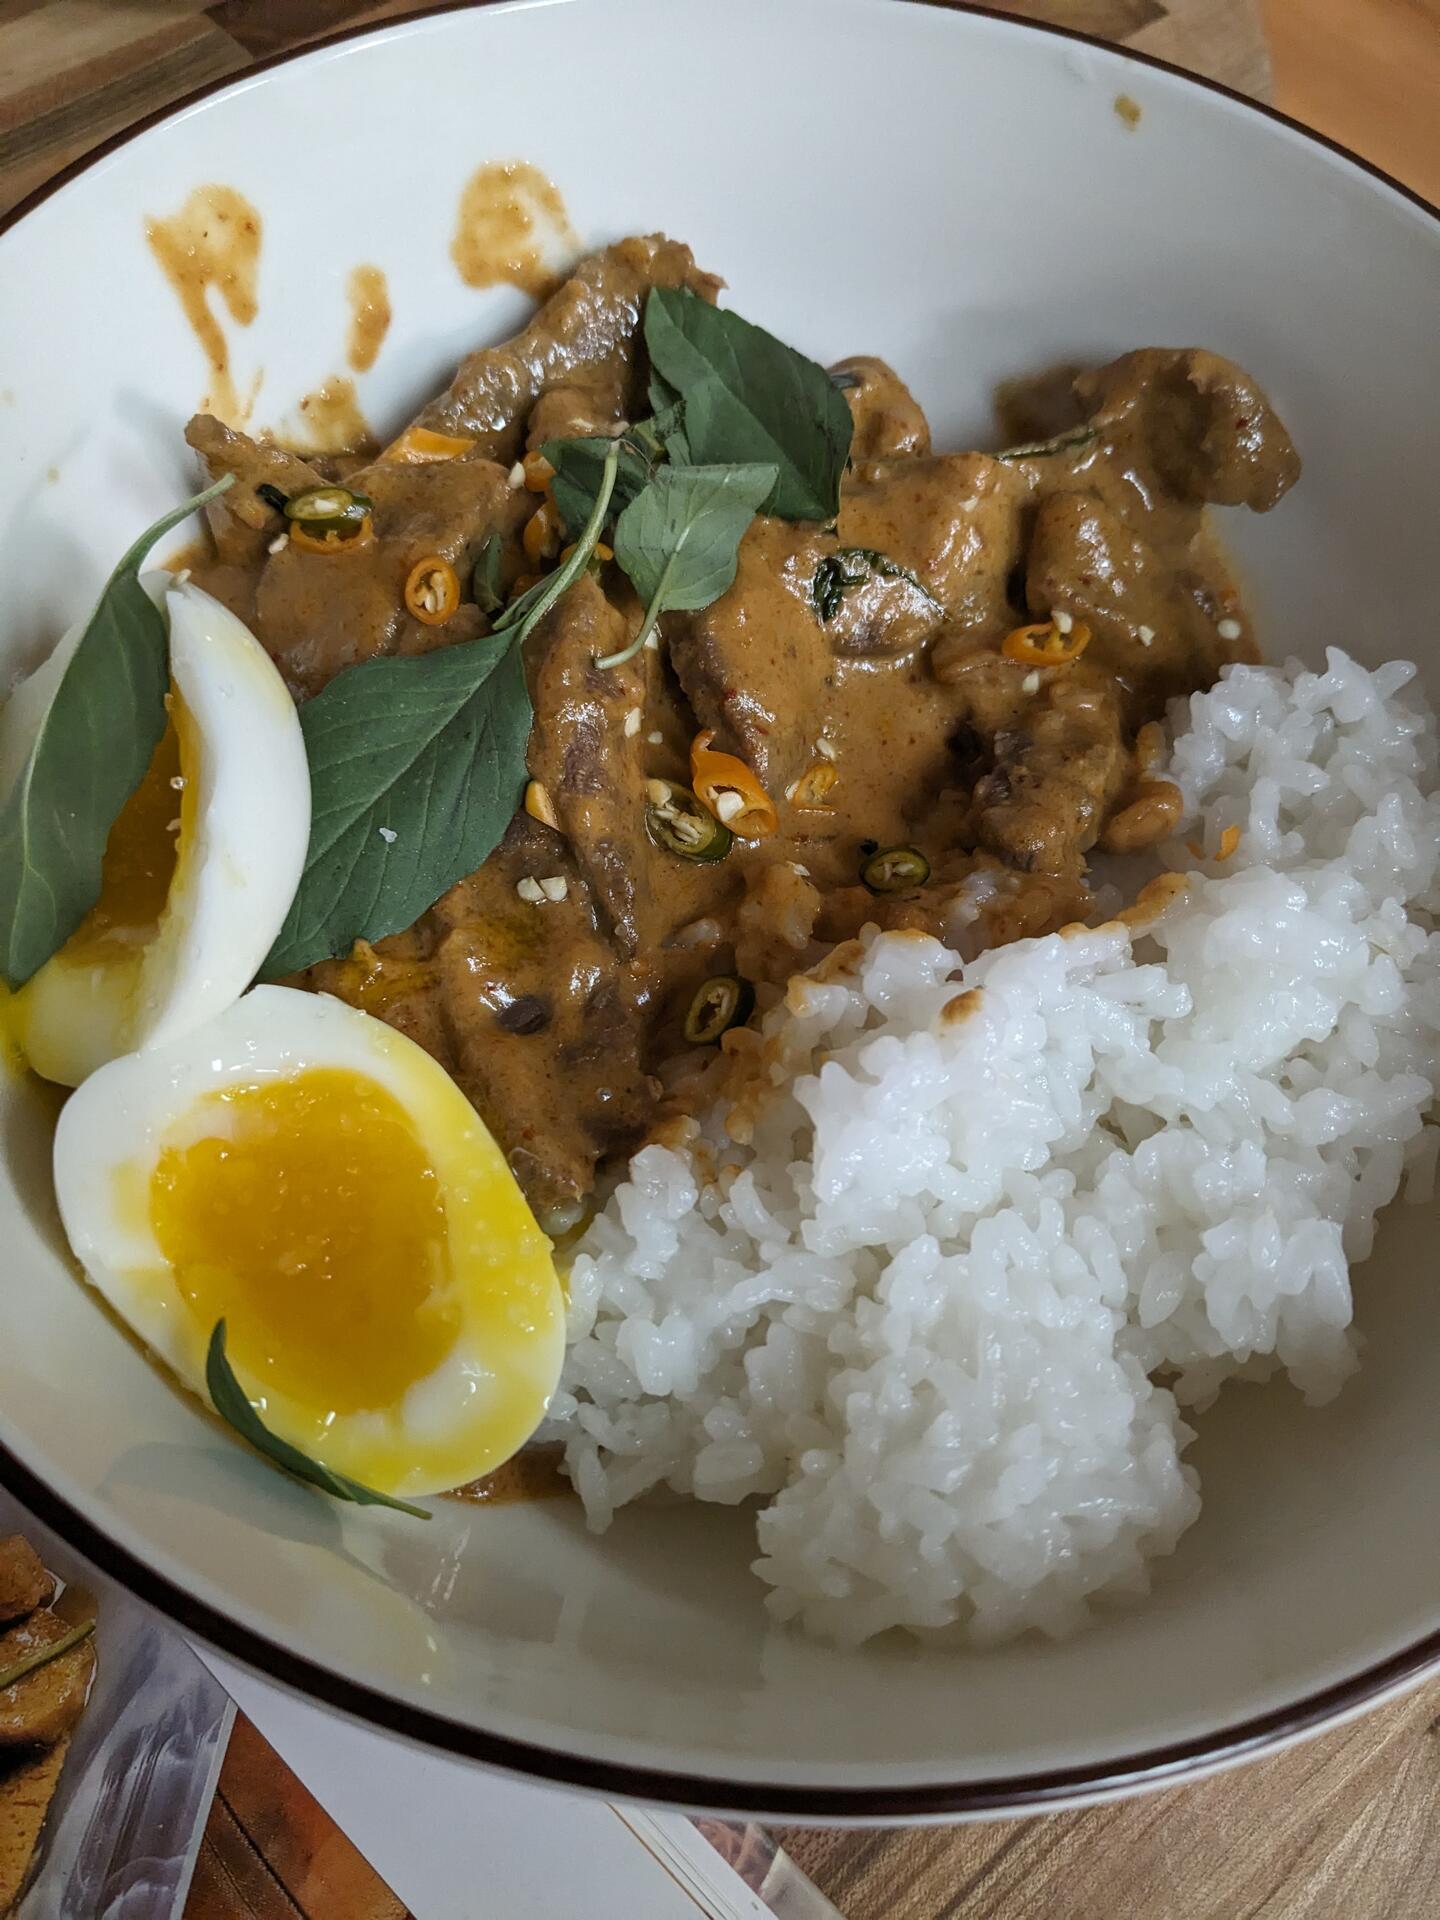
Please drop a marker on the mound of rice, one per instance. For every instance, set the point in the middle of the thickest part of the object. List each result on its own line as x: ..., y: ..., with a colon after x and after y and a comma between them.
x: 988, y: 1230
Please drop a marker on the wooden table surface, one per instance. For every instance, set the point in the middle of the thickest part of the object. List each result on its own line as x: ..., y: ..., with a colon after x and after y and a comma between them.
x: 1342, y: 1828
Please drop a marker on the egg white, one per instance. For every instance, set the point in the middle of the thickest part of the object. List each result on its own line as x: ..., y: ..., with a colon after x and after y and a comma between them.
x: 490, y: 1391
x: 238, y: 862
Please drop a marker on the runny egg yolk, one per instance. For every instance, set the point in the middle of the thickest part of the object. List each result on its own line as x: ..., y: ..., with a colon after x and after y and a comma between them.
x: 309, y: 1217
x: 140, y: 854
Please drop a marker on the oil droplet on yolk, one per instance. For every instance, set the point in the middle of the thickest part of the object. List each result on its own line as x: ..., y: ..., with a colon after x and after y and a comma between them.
x: 140, y: 857
x: 310, y: 1218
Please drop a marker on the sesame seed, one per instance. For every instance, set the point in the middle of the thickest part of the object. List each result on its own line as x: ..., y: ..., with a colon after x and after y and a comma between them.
x: 656, y: 739
x: 728, y: 805
x: 632, y: 723
x: 173, y: 826
x: 554, y: 886
x: 804, y: 872
x: 388, y: 835
x: 825, y: 748
x: 177, y: 781
x: 1063, y: 622
x: 530, y: 891
x: 1229, y: 629
x: 279, y: 543
x: 1146, y: 636
x: 652, y: 645
x: 516, y: 477
x: 1031, y: 682
x: 182, y: 576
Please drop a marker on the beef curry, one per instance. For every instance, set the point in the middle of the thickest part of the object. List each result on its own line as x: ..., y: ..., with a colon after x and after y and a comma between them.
x: 947, y: 696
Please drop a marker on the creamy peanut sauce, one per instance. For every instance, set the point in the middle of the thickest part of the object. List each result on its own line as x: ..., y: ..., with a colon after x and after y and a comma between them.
x: 511, y: 223
x: 369, y: 298
x: 329, y: 419
x: 534, y: 1473
x: 212, y: 243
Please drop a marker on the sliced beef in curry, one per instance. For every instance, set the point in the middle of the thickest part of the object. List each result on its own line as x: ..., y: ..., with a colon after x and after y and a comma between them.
x: 887, y: 416
x: 318, y: 613
x: 242, y: 521
x: 861, y: 670
x: 588, y: 753
x: 1195, y: 424
x: 528, y: 1008
x: 575, y: 369
x: 765, y: 669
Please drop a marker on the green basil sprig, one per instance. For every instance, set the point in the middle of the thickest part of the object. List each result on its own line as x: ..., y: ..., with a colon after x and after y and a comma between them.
x: 90, y: 752
x: 233, y: 1406
x: 522, y: 616
x: 730, y: 402
x: 679, y: 539
x: 747, y: 399
x: 485, y: 576
x: 851, y: 567
x: 580, y: 466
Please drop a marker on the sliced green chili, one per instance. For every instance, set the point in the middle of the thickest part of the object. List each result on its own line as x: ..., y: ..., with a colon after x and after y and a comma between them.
x: 676, y: 821
x: 328, y: 510
x: 895, y: 870
x: 719, y: 1004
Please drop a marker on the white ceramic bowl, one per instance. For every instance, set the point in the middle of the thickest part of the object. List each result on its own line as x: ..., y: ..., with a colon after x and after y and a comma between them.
x: 957, y: 193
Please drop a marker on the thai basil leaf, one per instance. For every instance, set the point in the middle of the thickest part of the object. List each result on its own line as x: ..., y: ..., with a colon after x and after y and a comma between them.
x: 90, y: 749
x: 851, y: 567
x: 485, y: 576
x: 750, y: 399
x: 679, y: 540
x: 233, y: 1406
x: 668, y: 421
x: 663, y: 397
x: 650, y: 435
x: 416, y: 766
x: 579, y: 465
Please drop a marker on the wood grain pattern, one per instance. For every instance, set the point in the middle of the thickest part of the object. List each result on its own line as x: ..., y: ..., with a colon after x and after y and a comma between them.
x: 1339, y: 1829
x: 1367, y: 72
x: 272, y: 1853
x: 73, y: 72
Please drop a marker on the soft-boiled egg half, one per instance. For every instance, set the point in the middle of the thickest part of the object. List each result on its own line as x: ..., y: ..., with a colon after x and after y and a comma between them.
x: 200, y: 867
x: 313, y: 1178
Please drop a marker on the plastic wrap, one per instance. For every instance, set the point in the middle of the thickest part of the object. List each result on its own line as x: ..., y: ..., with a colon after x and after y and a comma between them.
x: 124, y: 1828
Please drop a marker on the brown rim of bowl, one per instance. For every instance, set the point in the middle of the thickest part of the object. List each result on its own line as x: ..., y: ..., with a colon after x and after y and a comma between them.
x: 1025, y: 1792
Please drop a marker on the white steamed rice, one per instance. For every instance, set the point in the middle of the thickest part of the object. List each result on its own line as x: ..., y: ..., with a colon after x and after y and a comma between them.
x: 940, y: 1313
